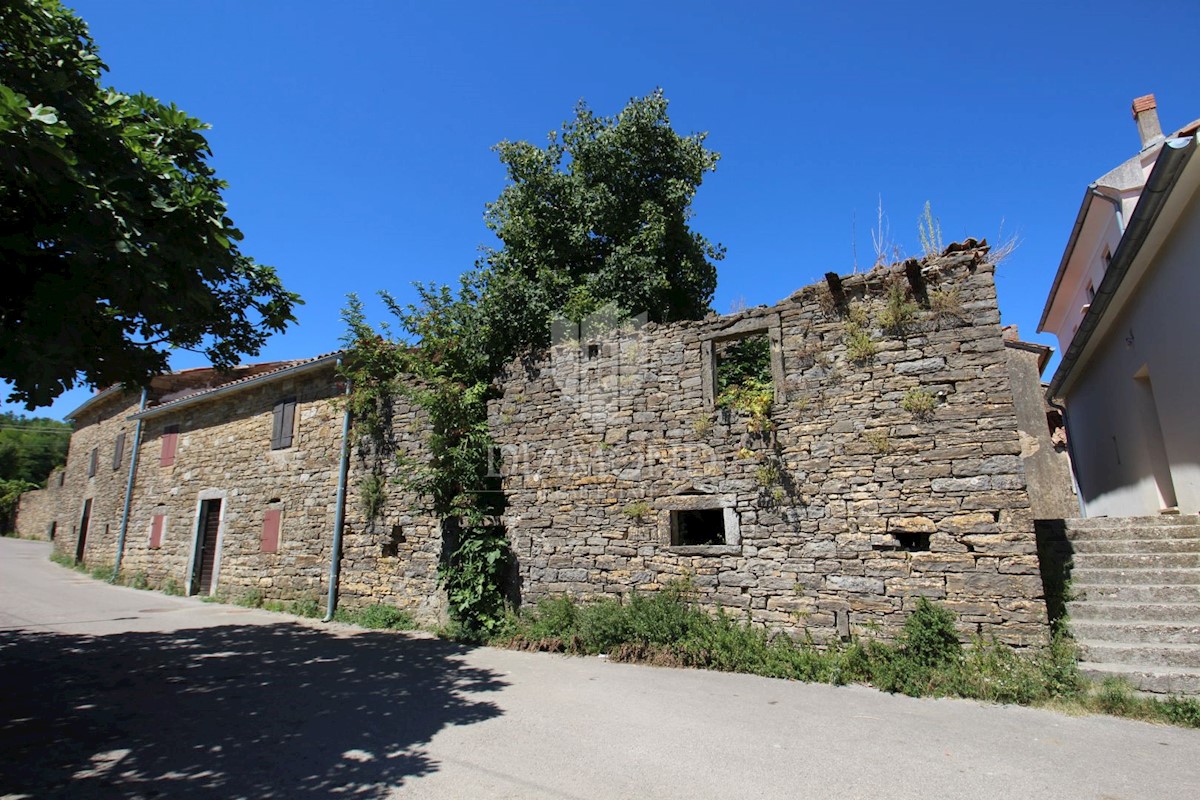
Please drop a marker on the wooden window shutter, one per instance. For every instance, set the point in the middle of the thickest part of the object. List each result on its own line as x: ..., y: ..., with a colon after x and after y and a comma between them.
x: 270, y: 530
x: 118, y: 450
x: 92, y: 460
x: 170, y: 440
x: 157, y: 523
x: 283, y: 423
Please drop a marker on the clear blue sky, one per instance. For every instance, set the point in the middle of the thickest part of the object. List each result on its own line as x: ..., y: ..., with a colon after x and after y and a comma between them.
x: 355, y: 136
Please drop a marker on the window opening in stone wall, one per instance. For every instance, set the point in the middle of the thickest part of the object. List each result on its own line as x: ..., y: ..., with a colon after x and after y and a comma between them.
x: 170, y: 440
x: 743, y: 373
x: 696, y: 527
x: 593, y: 351
x: 92, y: 459
x: 118, y: 450
x: 913, y: 542
x: 391, y: 548
x: 283, y: 423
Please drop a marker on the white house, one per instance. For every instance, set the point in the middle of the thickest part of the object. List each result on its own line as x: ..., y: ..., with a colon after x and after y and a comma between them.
x: 1125, y: 305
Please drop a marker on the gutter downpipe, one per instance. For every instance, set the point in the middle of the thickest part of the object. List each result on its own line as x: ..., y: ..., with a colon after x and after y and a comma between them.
x: 133, y: 460
x: 1116, y: 203
x: 335, y: 561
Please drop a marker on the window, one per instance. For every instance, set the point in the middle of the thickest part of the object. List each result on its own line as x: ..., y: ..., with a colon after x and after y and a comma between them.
x: 93, y: 459
x: 158, y: 527
x: 1106, y: 257
x: 283, y: 423
x: 1091, y: 292
x: 62, y: 478
x: 698, y: 527
x: 700, y: 524
x: 743, y: 364
x: 170, y: 440
x: 118, y: 450
x: 270, y: 530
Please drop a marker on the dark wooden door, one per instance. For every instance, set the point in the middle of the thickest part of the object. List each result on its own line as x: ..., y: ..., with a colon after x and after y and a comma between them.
x: 84, y: 521
x: 210, y: 522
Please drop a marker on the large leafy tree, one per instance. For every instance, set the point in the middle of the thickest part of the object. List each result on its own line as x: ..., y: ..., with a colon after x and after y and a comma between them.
x: 113, y: 234
x: 599, y: 215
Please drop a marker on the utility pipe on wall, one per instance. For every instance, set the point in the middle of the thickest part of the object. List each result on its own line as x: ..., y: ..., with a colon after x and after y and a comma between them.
x: 133, y: 461
x: 335, y: 561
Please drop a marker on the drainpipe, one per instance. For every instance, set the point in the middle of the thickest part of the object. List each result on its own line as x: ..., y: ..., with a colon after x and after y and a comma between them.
x: 1116, y: 202
x: 133, y: 460
x: 335, y: 561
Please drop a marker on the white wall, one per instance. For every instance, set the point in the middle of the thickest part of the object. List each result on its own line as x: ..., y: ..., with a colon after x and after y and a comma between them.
x: 1110, y: 418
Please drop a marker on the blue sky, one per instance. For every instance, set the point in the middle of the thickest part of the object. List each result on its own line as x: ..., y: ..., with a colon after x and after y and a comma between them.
x: 356, y: 136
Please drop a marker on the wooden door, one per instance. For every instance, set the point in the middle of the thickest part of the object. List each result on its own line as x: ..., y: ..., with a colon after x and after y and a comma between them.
x: 81, y: 542
x: 206, y: 546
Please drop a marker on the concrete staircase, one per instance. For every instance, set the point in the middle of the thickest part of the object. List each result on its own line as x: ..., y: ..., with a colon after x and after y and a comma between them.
x: 1135, y: 599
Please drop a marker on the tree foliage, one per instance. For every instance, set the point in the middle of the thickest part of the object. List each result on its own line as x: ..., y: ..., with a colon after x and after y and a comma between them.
x: 31, y: 447
x: 599, y: 215
x: 113, y: 232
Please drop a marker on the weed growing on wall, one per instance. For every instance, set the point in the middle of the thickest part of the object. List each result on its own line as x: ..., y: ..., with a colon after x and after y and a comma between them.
x: 919, y: 402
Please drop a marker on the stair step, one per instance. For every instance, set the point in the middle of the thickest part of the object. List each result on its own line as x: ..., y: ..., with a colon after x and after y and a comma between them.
x: 1137, y: 560
x: 1136, y: 577
x: 1150, y: 656
x: 1129, y: 593
x: 1118, y: 611
x: 1112, y: 546
x: 1159, y: 521
x: 1137, y: 632
x: 1191, y: 530
x: 1176, y: 680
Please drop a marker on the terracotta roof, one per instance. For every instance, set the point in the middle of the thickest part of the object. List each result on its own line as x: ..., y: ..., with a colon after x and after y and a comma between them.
x: 277, y: 369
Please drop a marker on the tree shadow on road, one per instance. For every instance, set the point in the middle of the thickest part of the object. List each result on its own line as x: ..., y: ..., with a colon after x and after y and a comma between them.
x: 236, y: 711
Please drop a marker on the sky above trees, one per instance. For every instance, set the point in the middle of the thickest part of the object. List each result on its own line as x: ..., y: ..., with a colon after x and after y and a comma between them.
x: 356, y: 137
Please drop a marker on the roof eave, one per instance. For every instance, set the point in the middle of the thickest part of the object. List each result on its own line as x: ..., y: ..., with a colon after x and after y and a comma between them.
x: 1174, y: 157
x: 237, y: 386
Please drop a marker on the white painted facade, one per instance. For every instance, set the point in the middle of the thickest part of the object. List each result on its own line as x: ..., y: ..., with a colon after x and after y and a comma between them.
x: 1130, y: 376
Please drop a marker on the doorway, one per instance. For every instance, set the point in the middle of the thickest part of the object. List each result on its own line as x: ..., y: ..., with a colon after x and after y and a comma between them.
x: 1156, y: 445
x: 204, y: 568
x: 84, y: 520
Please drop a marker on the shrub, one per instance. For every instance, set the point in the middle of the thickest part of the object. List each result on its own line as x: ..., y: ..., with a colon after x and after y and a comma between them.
x: 379, y: 617
x: 919, y: 403
x: 899, y: 311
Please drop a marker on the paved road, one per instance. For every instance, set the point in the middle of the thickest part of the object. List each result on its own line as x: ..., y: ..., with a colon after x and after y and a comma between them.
x: 112, y: 692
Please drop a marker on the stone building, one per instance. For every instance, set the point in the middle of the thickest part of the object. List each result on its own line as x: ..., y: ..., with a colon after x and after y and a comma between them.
x: 879, y: 459
x: 234, y: 491
x: 888, y: 465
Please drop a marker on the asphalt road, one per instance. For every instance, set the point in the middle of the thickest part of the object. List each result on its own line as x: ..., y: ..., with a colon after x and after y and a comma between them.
x: 113, y: 692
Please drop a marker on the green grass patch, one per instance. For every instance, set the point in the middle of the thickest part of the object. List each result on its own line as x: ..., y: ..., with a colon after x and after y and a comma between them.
x: 925, y: 660
x: 379, y: 617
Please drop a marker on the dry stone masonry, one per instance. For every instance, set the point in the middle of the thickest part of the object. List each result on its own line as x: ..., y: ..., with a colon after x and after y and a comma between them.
x: 873, y: 479
x: 879, y: 460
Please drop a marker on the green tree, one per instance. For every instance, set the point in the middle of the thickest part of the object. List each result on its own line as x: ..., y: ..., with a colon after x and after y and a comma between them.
x: 113, y: 232
x: 31, y: 447
x: 600, y: 218
x: 600, y: 214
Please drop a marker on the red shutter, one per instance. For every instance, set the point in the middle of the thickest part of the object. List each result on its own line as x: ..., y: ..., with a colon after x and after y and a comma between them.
x: 170, y: 440
x: 270, y: 531
x: 156, y: 530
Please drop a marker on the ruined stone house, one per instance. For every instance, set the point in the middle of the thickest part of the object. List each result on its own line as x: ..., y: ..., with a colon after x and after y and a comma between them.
x: 892, y: 462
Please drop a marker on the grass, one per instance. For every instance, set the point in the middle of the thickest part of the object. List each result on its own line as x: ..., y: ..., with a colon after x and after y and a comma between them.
x: 919, y: 403
x: 926, y: 660
x: 377, y: 617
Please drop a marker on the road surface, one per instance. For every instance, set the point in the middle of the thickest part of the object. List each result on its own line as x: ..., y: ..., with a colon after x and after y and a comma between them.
x: 112, y: 692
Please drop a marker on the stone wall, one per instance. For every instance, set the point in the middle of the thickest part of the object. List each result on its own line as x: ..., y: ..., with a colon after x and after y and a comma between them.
x: 37, y: 511
x: 224, y: 452
x: 393, y: 556
x: 103, y: 493
x: 836, y: 512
